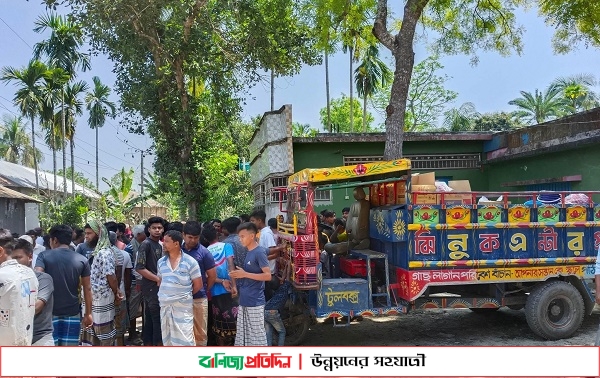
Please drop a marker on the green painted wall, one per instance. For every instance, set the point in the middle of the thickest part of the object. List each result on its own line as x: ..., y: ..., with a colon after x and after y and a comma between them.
x: 583, y: 161
x: 321, y: 155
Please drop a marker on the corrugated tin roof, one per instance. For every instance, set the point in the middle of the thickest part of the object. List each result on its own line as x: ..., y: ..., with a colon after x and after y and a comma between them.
x: 15, y: 175
x: 9, y: 193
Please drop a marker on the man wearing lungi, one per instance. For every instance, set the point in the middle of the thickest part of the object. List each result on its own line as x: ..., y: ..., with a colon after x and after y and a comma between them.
x: 179, y: 277
x: 251, y: 285
x: 105, y: 288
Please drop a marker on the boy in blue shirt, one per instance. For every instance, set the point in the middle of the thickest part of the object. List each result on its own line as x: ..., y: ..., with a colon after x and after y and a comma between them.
x: 251, y: 280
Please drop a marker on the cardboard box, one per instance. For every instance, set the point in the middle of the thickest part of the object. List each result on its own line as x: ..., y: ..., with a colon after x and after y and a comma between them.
x: 459, y: 199
x: 424, y: 182
x: 392, y: 193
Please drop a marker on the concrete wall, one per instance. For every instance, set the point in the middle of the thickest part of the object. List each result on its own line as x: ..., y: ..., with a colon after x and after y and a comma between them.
x: 582, y: 161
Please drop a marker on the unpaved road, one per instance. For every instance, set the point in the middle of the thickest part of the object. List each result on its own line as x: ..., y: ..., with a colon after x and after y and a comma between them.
x: 445, y: 327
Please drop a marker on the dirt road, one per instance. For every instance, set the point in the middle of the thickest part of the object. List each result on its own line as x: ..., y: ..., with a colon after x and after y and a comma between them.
x: 445, y: 327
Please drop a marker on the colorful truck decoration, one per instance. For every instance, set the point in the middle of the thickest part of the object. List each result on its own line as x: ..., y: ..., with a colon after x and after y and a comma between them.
x: 449, y: 249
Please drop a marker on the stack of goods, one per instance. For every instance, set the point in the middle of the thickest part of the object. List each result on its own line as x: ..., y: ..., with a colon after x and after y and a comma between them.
x: 391, y: 193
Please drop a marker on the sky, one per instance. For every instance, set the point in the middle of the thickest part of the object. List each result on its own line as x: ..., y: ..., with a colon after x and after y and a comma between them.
x: 490, y: 85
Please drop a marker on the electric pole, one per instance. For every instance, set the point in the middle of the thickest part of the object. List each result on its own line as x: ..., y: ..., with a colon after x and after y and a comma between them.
x: 143, y: 153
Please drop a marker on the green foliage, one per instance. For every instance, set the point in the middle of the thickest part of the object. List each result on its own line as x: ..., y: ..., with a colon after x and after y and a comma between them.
x: 70, y: 211
x: 348, y: 22
x: 463, y: 27
x: 15, y: 144
x: 499, y: 121
x: 578, y: 92
x: 539, y: 107
x: 340, y: 116
x: 161, y: 49
x: 62, y: 46
x: 78, y: 177
x: 98, y: 104
x: 303, y: 130
x: 229, y: 191
x: 120, y: 197
x: 427, y: 96
x: 576, y: 22
x: 462, y: 118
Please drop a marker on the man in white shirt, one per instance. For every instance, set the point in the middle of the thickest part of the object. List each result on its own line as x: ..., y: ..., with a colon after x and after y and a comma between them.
x: 18, y: 294
x: 267, y: 240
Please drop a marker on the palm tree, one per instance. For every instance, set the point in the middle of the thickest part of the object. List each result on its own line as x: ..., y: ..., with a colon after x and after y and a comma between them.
x: 577, y: 90
x: 28, y: 96
x: 350, y: 45
x: 73, y: 107
x: 51, y: 123
x: 461, y: 119
x: 540, y: 107
x: 99, y: 107
x: 370, y: 75
x: 15, y: 145
x: 62, y: 51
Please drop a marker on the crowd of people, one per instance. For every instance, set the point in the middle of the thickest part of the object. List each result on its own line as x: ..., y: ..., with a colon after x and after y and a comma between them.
x: 216, y: 283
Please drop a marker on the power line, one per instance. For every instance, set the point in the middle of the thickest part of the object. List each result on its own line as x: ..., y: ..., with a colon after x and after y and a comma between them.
x: 17, y: 34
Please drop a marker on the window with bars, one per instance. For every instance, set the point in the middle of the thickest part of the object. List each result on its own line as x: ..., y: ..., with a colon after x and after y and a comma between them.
x: 278, y: 186
x: 259, y: 194
x: 323, y: 195
x: 427, y: 162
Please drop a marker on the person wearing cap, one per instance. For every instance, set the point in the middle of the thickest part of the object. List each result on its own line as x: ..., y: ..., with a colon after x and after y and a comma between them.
x: 36, y: 247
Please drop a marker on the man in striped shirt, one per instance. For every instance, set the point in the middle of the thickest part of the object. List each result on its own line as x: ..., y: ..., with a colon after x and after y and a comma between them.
x: 179, y: 278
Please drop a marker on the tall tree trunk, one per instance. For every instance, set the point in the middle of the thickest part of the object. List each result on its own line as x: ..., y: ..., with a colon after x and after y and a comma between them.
x: 351, y: 51
x: 35, y: 164
x: 364, y: 117
x: 63, y: 141
x: 401, y: 47
x: 54, y: 167
x: 272, y: 90
x: 327, y: 91
x: 72, y: 146
x: 97, y: 171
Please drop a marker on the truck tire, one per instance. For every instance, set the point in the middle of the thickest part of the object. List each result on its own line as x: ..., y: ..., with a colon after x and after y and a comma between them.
x: 295, y: 335
x: 554, y: 310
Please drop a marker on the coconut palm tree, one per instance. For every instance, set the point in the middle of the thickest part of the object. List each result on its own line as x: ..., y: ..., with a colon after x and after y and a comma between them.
x: 462, y: 118
x: 62, y: 51
x: 539, y: 107
x: 99, y: 107
x: 370, y: 75
x: 72, y: 107
x: 28, y: 96
x: 15, y: 145
x: 577, y: 91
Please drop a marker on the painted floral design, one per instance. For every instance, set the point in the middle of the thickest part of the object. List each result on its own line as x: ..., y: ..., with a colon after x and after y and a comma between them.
x: 360, y: 170
x: 382, y: 227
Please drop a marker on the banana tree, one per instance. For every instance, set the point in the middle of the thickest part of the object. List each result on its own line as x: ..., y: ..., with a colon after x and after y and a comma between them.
x: 120, y: 195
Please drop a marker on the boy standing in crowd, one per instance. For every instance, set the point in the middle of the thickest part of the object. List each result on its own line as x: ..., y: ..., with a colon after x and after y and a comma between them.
x: 252, y: 277
x: 149, y: 253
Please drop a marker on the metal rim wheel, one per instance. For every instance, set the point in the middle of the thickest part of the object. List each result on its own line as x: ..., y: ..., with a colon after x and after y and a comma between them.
x: 554, y: 310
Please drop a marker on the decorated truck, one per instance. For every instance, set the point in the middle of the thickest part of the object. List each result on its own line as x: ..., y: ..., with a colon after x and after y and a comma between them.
x: 413, y: 243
